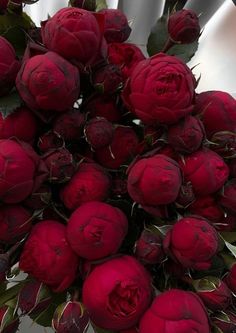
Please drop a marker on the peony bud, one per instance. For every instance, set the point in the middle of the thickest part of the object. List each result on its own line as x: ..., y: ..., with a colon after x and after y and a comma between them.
x: 123, y: 147
x: 183, y: 26
x: 214, y: 293
x: 99, y: 132
x: 96, y: 230
x: 69, y: 125
x: 104, y: 106
x: 50, y: 140
x: 186, y: 136
x: 148, y: 248
x: 116, y: 25
x: 70, y: 317
x: 192, y: 242
x: 34, y: 298
x: 90, y: 183
x: 207, y: 207
x: 60, y: 165
x: 107, y: 79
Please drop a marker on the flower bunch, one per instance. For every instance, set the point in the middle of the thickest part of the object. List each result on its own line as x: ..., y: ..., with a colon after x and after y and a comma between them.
x: 118, y: 180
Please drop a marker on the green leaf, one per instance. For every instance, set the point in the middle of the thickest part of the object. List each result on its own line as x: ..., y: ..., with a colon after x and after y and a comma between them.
x: 158, y: 38
x: 101, y: 4
x: 229, y: 236
x: 9, y: 103
x: 231, y: 248
x: 45, y: 318
x: 13, y: 28
x: 100, y: 330
x: 10, y: 293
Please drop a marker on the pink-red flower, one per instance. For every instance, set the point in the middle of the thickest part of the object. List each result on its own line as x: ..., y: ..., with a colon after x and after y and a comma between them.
x: 117, y: 292
x: 48, y: 257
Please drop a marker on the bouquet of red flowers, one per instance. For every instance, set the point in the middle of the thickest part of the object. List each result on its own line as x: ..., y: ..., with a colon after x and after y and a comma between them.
x: 118, y: 179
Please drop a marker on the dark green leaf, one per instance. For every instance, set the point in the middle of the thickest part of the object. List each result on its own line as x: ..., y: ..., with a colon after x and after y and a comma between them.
x: 10, y: 293
x: 100, y: 330
x: 158, y: 38
x: 101, y: 4
x: 13, y: 28
x: 45, y: 318
x: 9, y: 103
x: 229, y: 236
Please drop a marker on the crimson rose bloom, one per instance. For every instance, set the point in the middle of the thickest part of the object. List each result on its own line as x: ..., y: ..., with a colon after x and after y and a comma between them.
x: 15, y: 125
x: 9, y: 66
x: 186, y: 136
x: 193, y: 242
x: 125, y: 55
x: 74, y: 33
x: 183, y: 26
x: 214, y: 293
x: 216, y: 109
x: 90, y: 183
x: 21, y: 171
x: 160, y: 90
x: 124, y: 146
x: 96, y: 230
x: 176, y: 311
x: 228, y: 197
x: 48, y: 257
x: 117, y: 292
x: 48, y: 82
x: 116, y: 28
x: 154, y: 180
x: 206, y: 171
x: 15, y: 222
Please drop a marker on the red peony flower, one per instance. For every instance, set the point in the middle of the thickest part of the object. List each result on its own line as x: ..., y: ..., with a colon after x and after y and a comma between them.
x: 48, y: 257
x: 148, y: 248
x: 48, y: 82
x: 206, y: 171
x: 69, y: 125
x: 116, y: 28
x: 125, y: 55
x: 21, y: 170
x: 16, y: 123
x: 192, y: 242
x: 160, y: 90
x: 99, y: 132
x: 117, y: 292
x: 214, y: 293
x: 217, y: 110
x: 183, y: 26
x: 75, y: 34
x: 9, y: 66
x: 90, y: 183
x: 96, y: 230
x: 176, y: 311
x: 186, y: 136
x: 208, y: 208
x: 154, y: 180
x: 123, y: 147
